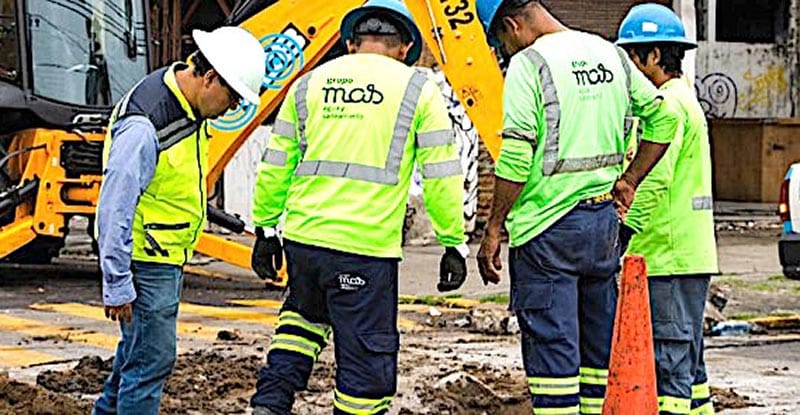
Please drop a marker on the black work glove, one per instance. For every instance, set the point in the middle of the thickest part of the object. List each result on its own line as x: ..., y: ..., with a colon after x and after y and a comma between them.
x: 625, y: 235
x: 267, y: 256
x: 452, y: 270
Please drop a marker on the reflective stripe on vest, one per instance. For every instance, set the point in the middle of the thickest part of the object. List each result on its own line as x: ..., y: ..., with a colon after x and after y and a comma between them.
x: 167, y: 136
x: 302, y: 111
x: 629, y: 112
x: 284, y: 128
x: 388, y: 175
x: 551, y: 164
x: 703, y: 203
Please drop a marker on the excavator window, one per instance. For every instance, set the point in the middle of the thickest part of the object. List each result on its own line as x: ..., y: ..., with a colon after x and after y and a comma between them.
x: 9, y: 48
x: 86, y: 52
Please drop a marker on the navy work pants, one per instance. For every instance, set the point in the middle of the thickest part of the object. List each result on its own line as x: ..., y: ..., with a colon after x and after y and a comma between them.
x: 564, y: 293
x: 355, y: 297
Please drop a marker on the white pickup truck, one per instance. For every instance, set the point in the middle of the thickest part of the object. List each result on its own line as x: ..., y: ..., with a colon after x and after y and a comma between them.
x: 789, y: 211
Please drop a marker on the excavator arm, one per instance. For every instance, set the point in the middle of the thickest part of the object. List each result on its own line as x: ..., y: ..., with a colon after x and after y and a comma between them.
x: 295, y: 42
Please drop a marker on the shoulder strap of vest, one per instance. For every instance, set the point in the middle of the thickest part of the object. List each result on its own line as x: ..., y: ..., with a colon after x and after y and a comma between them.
x: 169, y: 120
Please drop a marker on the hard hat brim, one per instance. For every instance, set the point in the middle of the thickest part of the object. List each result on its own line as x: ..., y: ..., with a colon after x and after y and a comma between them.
x: 688, y: 44
x: 204, y: 40
x: 350, y: 19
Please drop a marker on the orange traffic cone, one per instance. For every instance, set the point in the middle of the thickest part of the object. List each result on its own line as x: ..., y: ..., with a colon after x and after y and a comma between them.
x: 632, y: 373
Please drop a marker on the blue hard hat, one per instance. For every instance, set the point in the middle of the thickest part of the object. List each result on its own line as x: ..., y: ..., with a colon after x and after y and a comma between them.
x: 394, y: 7
x: 651, y: 23
x: 487, y: 9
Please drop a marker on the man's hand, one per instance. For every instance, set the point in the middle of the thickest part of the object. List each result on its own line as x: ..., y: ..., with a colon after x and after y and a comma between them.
x: 452, y: 270
x: 120, y: 313
x: 489, y: 262
x: 267, y: 257
x: 624, y: 192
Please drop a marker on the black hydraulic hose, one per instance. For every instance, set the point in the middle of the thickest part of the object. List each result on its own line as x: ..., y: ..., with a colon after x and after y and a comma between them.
x: 11, y: 155
x: 15, y: 197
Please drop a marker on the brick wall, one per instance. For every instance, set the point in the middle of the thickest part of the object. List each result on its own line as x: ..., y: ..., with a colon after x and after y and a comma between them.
x: 599, y: 16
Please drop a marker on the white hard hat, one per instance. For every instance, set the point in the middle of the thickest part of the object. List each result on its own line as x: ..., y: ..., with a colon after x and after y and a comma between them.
x: 237, y: 56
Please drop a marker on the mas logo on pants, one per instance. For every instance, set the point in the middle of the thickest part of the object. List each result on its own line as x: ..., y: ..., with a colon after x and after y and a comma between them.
x: 351, y: 282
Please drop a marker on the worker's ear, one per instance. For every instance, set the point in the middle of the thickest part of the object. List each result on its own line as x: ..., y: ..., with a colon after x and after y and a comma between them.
x: 404, y: 51
x: 511, y: 25
x: 351, y: 47
x: 208, y: 77
x: 654, y: 57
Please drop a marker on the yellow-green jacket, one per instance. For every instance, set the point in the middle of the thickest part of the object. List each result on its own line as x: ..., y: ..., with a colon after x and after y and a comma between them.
x: 673, y: 208
x: 340, y: 158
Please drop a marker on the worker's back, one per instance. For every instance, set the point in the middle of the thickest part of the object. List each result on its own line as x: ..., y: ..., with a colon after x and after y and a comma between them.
x: 570, y: 90
x: 363, y: 116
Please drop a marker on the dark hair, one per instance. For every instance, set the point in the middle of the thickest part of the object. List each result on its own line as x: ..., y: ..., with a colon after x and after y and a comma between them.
x: 403, y: 37
x: 509, y: 8
x: 671, y: 55
x: 200, y: 63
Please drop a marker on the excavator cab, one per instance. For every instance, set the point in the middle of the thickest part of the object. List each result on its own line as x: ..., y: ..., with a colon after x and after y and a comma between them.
x: 63, y: 65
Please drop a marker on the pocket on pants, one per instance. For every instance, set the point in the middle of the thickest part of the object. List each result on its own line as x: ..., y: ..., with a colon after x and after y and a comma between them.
x: 382, y: 348
x: 533, y: 304
x: 532, y: 295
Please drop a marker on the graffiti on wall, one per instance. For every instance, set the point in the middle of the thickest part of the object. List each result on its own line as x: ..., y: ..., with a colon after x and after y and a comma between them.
x: 763, y: 87
x: 718, y: 95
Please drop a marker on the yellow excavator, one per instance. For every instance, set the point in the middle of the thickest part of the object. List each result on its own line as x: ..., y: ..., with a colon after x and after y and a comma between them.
x: 64, y: 63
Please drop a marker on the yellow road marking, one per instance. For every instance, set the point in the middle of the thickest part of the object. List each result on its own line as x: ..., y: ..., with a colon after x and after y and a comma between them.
x: 231, y: 313
x: 37, y: 328
x: 201, y: 331
x: 16, y: 356
x: 407, y: 325
x: 263, y: 303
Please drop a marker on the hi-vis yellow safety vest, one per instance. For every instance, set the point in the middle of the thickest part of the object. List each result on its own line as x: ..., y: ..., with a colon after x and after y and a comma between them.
x: 171, y: 212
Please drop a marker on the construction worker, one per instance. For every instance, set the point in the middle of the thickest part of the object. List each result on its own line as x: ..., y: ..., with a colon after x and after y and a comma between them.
x: 566, y: 97
x: 152, y: 203
x: 339, y: 163
x: 671, y: 220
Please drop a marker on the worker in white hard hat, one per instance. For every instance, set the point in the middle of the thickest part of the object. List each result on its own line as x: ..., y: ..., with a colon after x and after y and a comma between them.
x: 152, y: 203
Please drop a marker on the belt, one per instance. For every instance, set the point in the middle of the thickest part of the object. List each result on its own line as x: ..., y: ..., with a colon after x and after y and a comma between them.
x: 596, y: 200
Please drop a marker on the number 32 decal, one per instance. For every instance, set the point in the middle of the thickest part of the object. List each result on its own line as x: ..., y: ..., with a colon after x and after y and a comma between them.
x: 458, y: 15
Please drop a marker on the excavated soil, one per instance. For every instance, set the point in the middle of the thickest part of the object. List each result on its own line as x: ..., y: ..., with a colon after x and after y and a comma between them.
x: 23, y: 399
x: 728, y: 399
x: 217, y: 382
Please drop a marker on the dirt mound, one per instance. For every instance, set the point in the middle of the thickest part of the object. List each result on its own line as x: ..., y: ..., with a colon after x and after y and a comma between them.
x: 86, y: 377
x: 209, y: 382
x: 476, y: 393
x: 22, y: 399
x: 728, y: 399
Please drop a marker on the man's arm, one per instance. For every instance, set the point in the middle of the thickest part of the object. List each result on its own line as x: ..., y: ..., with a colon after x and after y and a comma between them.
x: 437, y: 157
x: 131, y: 164
x: 277, y: 166
x: 660, y: 118
x: 653, y: 188
x: 521, y: 108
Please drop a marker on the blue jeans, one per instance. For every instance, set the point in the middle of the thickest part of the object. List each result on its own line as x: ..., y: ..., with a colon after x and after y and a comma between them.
x: 146, y: 352
x: 564, y: 293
